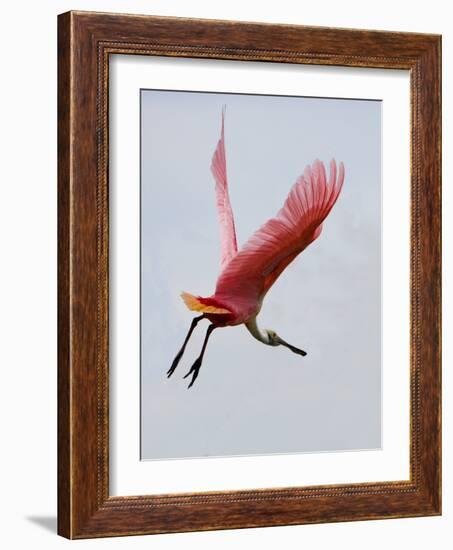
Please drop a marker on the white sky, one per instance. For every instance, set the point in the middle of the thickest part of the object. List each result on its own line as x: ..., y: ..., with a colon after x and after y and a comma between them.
x: 250, y: 398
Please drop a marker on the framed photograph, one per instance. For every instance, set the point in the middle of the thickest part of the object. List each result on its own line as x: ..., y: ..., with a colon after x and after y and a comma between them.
x: 249, y: 275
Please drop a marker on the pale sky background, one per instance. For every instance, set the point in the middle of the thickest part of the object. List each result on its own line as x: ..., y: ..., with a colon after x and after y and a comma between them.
x: 250, y: 398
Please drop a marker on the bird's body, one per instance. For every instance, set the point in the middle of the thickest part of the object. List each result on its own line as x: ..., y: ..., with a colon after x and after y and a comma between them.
x: 247, y: 275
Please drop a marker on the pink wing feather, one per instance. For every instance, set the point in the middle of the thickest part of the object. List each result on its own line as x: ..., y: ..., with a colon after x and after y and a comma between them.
x: 253, y: 270
x: 228, y: 243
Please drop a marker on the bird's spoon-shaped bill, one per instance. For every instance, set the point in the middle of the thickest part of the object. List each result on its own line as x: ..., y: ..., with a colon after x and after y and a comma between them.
x: 289, y: 346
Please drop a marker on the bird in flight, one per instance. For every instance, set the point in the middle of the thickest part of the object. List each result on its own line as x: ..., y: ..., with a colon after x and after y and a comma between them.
x: 248, y: 274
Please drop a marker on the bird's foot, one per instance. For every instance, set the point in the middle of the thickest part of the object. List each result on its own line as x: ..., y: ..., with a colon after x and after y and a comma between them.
x: 175, y: 363
x: 194, y: 370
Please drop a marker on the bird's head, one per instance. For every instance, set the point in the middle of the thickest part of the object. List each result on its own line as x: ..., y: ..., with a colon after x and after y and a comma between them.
x: 275, y: 340
x: 272, y: 337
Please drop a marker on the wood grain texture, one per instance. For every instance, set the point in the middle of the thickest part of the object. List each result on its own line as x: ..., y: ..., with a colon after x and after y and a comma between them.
x: 85, y: 42
x: 64, y: 425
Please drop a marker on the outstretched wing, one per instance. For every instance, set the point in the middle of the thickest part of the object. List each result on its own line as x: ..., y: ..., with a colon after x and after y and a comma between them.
x: 253, y: 270
x: 228, y: 244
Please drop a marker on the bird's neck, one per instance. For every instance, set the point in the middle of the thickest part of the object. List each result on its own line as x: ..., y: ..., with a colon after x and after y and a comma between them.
x: 256, y: 332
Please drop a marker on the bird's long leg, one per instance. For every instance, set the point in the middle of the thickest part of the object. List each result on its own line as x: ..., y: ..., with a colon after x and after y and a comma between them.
x: 176, y: 360
x: 196, y: 366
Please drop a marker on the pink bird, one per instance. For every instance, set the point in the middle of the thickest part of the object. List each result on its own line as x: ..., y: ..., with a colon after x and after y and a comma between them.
x: 248, y: 274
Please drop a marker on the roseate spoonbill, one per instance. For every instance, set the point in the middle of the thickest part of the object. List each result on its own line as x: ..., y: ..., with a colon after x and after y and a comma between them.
x: 247, y: 275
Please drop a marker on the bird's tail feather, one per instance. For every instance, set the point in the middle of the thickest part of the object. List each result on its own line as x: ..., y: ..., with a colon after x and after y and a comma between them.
x: 203, y: 305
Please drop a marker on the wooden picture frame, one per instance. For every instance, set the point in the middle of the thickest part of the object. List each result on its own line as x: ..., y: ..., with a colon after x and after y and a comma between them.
x: 85, y: 42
